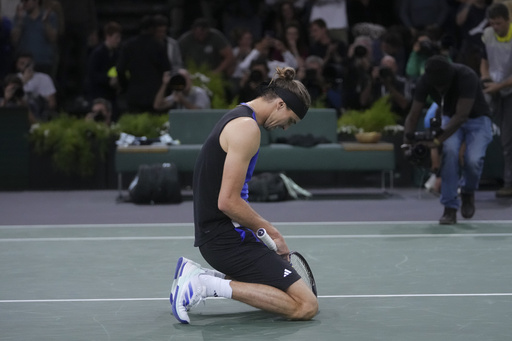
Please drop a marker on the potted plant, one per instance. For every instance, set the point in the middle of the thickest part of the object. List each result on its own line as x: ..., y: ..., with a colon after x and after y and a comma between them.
x: 368, y: 125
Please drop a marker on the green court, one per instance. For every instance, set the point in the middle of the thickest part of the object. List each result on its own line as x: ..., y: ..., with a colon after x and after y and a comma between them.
x: 376, y: 281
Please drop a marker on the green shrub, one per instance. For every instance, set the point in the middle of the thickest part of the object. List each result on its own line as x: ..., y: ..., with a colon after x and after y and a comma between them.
x: 374, y: 119
x: 144, y: 124
x: 76, y: 146
x: 73, y: 143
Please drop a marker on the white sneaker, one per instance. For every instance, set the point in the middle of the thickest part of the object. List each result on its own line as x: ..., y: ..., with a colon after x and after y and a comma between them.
x: 181, y: 261
x: 177, y: 273
x: 189, y: 290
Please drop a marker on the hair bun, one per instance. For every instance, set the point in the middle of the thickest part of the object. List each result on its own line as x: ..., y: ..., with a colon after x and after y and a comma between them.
x: 286, y: 73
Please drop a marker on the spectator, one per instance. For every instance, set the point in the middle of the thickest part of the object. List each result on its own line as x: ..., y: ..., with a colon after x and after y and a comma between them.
x: 35, y: 32
x: 203, y: 45
x: 418, y: 15
x: 357, y: 84
x: 38, y: 87
x: 295, y: 42
x: 471, y: 19
x: 102, y: 81
x: 56, y: 7
x: 177, y: 92
x: 244, y: 45
x: 238, y: 14
x: 173, y: 48
x: 264, y: 49
x: 391, y: 43
x: 497, y: 80
x: 311, y: 75
x: 386, y: 82
x: 334, y: 14
x: 5, y: 45
x: 14, y: 96
x: 80, y: 33
x: 423, y: 48
x: 141, y: 64
x: 252, y: 83
x: 101, y: 111
x: 333, y: 52
x: 285, y: 15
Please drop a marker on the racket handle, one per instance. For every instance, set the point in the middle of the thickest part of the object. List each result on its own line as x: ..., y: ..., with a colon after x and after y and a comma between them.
x: 265, y: 238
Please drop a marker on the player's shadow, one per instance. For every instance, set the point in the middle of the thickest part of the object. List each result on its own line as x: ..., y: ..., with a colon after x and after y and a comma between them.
x: 250, y: 325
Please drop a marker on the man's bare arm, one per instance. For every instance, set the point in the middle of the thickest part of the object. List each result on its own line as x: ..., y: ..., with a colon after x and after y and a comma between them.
x: 240, y: 139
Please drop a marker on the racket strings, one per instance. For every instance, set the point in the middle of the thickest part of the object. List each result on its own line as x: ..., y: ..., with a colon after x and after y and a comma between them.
x: 302, y: 269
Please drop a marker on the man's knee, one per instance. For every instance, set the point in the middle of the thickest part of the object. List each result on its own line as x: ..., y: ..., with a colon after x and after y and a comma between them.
x: 306, y: 311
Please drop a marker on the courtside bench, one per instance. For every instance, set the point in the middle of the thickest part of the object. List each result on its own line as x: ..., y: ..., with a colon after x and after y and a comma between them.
x: 192, y: 127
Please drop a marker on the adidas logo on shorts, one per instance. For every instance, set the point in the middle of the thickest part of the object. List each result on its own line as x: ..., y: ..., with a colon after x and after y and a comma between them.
x: 286, y: 272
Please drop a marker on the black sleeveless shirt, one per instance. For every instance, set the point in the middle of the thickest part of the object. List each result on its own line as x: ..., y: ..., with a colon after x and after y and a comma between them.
x: 209, y: 221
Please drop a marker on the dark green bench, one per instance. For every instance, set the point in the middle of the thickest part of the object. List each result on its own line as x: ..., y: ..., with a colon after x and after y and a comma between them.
x: 191, y: 127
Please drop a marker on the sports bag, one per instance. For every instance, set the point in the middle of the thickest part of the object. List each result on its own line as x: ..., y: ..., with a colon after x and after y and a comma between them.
x: 155, y: 184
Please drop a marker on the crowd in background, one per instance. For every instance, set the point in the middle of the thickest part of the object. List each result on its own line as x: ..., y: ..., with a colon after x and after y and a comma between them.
x: 348, y: 53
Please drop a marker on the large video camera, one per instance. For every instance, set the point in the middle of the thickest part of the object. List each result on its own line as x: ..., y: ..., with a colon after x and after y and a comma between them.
x: 418, y: 153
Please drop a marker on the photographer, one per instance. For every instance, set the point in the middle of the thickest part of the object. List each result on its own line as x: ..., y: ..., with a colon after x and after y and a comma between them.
x: 312, y: 76
x: 465, y: 118
x: 101, y: 111
x: 14, y: 96
x: 423, y: 48
x: 357, y: 76
x: 38, y: 87
x: 177, y: 92
x: 387, y: 82
x: 253, y: 82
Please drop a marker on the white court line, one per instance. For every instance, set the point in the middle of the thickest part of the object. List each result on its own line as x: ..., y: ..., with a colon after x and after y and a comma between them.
x: 315, y: 223
x: 221, y: 298
x: 325, y: 236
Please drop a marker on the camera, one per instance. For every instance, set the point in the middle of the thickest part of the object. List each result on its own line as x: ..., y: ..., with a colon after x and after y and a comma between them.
x: 360, y: 51
x: 385, y: 72
x: 99, y: 116
x: 418, y: 153
x: 428, y: 48
x: 177, y: 83
x: 18, y: 93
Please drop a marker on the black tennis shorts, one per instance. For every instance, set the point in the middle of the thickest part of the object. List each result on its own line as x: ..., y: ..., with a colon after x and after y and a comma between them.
x: 243, y: 257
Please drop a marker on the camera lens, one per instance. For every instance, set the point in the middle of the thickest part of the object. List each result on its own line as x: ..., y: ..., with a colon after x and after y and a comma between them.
x: 420, y: 151
x: 360, y: 51
x: 177, y: 83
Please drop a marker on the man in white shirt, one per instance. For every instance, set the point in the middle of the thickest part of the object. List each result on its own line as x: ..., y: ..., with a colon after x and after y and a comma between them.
x: 178, y: 92
x: 36, y: 84
x: 262, y: 49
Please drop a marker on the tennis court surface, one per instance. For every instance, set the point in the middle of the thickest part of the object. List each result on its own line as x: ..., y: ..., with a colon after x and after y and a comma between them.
x: 391, y: 280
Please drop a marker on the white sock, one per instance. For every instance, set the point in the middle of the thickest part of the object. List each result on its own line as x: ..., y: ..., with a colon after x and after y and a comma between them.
x: 215, y: 273
x: 215, y: 286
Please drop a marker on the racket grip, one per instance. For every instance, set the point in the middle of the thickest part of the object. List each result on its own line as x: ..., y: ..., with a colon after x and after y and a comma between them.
x: 265, y: 238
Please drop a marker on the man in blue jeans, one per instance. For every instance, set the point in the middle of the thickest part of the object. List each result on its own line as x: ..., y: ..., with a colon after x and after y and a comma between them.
x: 465, y: 118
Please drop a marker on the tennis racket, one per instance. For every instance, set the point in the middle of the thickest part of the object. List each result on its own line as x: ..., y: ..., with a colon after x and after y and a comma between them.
x: 297, y: 261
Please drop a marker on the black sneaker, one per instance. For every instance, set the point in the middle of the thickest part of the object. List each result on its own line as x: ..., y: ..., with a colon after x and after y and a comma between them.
x: 468, y: 205
x: 449, y: 216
